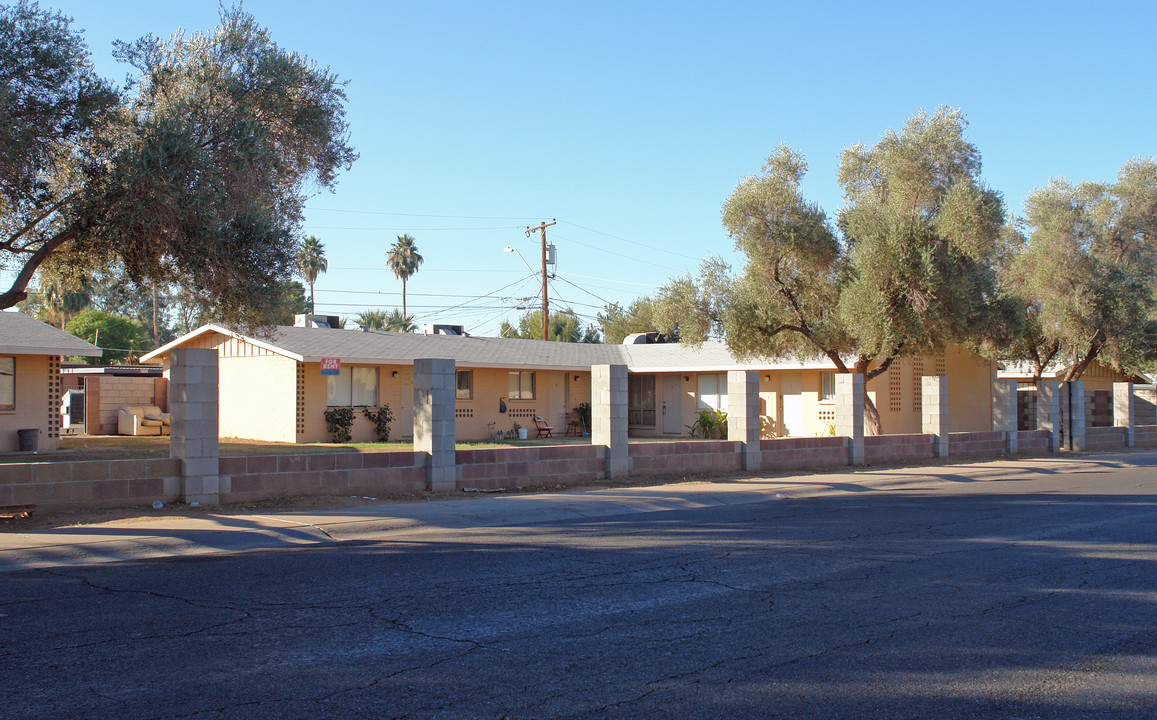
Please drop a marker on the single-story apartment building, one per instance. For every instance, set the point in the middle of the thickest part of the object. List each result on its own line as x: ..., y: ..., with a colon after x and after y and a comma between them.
x: 1098, y: 379
x: 273, y: 388
x: 30, y: 380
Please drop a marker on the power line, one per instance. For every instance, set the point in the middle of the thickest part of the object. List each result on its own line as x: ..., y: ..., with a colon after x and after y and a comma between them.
x: 398, y: 214
x: 632, y: 242
x: 588, y: 292
x: 408, y: 294
x: 611, y: 252
x: 621, y: 282
x: 391, y: 229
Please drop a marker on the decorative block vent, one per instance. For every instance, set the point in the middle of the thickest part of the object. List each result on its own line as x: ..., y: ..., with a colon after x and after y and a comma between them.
x: 895, y: 387
x: 941, y: 366
x: 463, y: 412
x: 523, y: 413
x: 828, y: 416
x: 917, y: 385
x: 54, y: 395
x: 300, y: 399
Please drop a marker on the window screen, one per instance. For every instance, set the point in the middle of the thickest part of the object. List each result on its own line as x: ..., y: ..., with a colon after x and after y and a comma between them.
x: 7, y: 383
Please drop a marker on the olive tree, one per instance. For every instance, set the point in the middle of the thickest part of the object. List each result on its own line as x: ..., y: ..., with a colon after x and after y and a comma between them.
x: 907, y: 267
x: 1085, y: 274
x: 195, y: 174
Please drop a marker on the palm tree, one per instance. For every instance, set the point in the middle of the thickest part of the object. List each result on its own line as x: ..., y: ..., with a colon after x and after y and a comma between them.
x: 311, y: 261
x: 373, y: 319
x: 63, y: 296
x: 403, y: 259
x: 397, y: 322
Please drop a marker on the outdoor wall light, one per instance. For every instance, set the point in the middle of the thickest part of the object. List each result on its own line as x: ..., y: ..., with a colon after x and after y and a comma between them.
x: 686, y: 378
x: 576, y: 378
x: 394, y: 374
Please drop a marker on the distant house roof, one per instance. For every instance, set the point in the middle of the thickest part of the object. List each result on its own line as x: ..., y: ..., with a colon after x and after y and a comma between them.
x: 22, y: 334
x: 376, y: 347
x: 1055, y: 371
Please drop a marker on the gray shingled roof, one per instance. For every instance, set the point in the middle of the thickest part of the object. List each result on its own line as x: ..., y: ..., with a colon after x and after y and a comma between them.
x: 388, y: 348
x: 21, y: 334
x: 356, y: 346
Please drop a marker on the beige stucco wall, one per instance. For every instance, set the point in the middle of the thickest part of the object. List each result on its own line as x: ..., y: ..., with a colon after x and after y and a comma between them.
x: 969, y: 397
x: 32, y: 405
x: 556, y: 393
x: 969, y: 392
x: 397, y: 392
x: 258, y: 398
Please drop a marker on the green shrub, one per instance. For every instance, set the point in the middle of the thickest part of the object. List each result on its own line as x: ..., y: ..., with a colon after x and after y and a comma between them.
x: 339, y: 421
x: 381, y: 418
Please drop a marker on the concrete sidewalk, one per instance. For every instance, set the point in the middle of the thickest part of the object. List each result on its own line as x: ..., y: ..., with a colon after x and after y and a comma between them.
x: 143, y: 538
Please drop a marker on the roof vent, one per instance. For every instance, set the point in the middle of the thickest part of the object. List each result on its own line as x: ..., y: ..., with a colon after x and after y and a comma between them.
x: 429, y: 329
x: 317, y: 321
x: 645, y: 338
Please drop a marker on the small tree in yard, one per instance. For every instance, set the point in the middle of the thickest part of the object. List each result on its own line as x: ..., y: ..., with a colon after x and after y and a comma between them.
x: 907, y: 268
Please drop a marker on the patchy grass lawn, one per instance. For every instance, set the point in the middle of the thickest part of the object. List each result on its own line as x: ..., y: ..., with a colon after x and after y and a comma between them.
x: 121, y: 447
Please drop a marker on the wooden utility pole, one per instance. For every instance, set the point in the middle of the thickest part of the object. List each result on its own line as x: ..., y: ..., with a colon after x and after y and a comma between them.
x: 545, y: 312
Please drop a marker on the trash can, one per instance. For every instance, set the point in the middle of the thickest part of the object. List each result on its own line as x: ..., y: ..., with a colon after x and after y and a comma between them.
x: 29, y: 439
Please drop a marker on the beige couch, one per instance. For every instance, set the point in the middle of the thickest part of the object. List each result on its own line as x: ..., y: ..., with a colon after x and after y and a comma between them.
x: 142, y: 420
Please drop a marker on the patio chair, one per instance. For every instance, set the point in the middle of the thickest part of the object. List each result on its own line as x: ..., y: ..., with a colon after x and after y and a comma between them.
x: 544, y: 430
x: 574, y: 424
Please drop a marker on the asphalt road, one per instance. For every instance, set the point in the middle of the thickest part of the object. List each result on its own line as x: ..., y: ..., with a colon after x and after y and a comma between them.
x: 1018, y: 590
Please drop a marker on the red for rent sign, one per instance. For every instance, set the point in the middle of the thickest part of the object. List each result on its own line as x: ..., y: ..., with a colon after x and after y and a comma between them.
x: 331, y: 366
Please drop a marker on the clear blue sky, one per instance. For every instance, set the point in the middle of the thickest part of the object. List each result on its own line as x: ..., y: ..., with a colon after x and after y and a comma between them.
x: 631, y: 122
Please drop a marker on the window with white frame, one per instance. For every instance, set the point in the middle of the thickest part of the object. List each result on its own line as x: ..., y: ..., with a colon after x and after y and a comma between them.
x: 465, y: 386
x: 827, y: 386
x: 711, y: 391
x: 7, y: 383
x: 352, y: 387
x: 521, y: 386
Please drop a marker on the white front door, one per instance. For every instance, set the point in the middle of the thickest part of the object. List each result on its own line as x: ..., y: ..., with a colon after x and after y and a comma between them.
x: 672, y: 406
x: 791, y: 389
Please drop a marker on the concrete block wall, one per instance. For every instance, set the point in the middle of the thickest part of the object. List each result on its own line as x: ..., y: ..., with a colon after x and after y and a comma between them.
x: 934, y: 413
x: 1048, y: 412
x: 743, y: 414
x: 783, y: 454
x: 1100, y: 439
x: 90, y: 484
x: 1145, y: 404
x: 686, y: 457
x: 898, y: 448
x: 977, y: 444
x: 1004, y: 412
x: 510, y: 468
x: 112, y: 394
x: 850, y: 414
x: 1145, y: 436
x: 1032, y: 442
x: 1073, y: 398
x: 248, y: 479
x: 434, y: 431
x: 1123, y: 410
x: 193, y: 400
x: 609, y: 416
